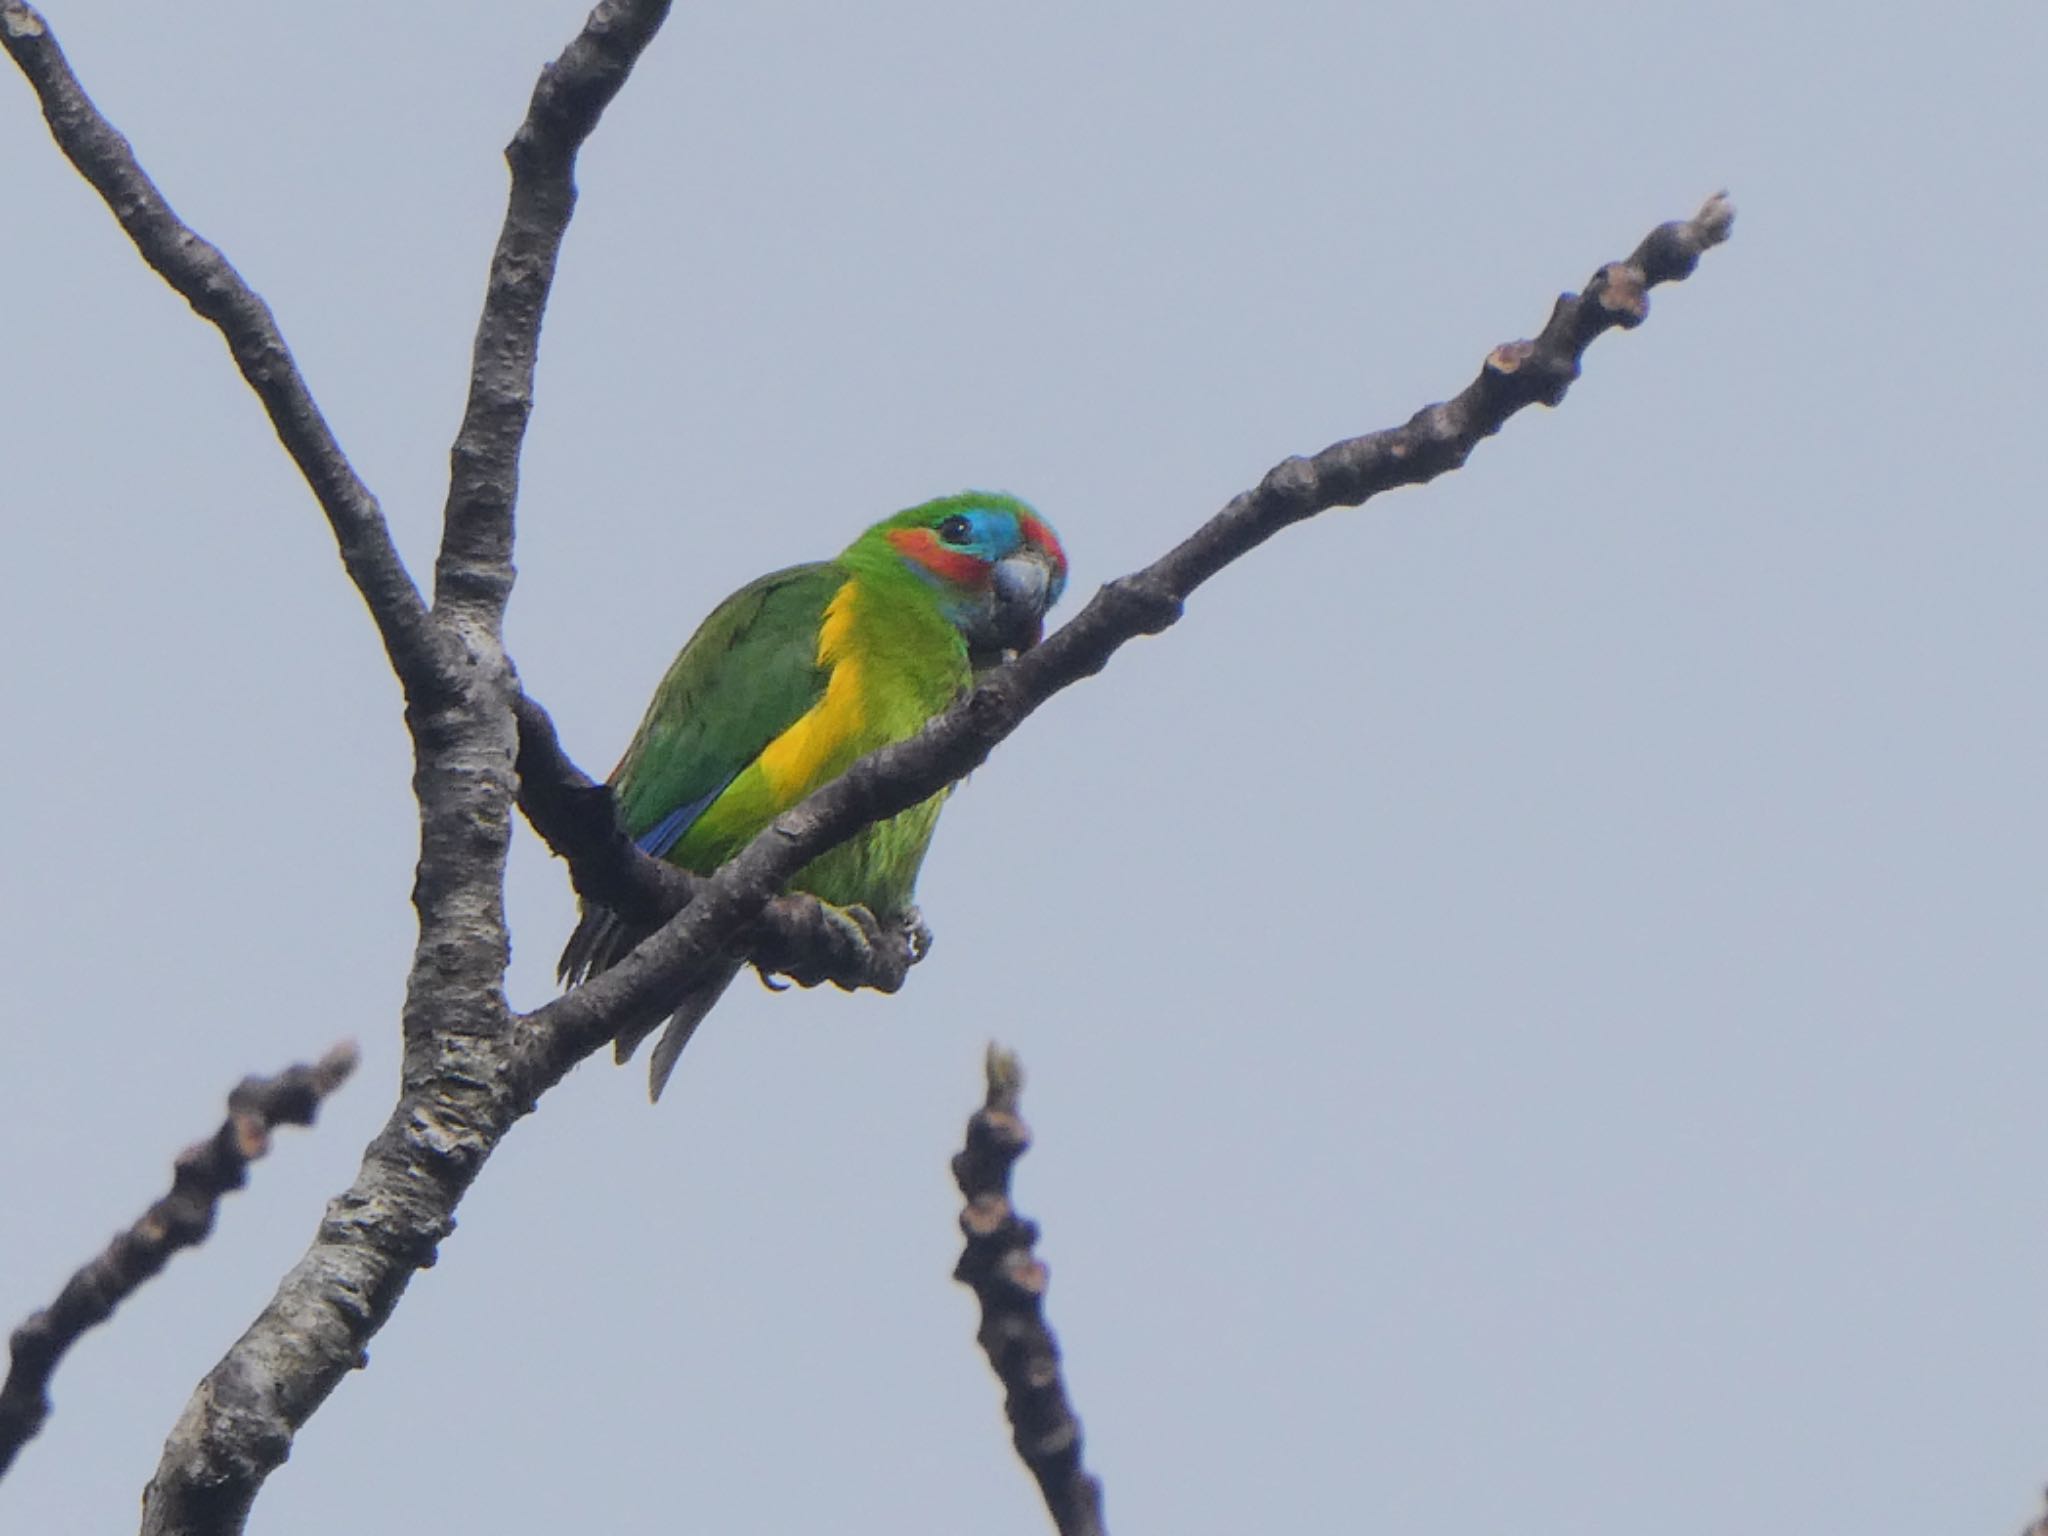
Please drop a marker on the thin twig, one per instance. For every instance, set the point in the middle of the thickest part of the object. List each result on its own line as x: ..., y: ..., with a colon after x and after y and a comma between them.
x: 1436, y: 439
x: 206, y: 1171
x: 1009, y: 1281
x: 419, y: 653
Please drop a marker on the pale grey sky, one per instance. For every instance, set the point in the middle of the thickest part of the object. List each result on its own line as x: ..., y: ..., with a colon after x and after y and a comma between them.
x: 1533, y: 993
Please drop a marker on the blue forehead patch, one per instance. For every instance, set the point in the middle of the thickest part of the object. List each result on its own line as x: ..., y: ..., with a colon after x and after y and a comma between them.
x: 994, y: 532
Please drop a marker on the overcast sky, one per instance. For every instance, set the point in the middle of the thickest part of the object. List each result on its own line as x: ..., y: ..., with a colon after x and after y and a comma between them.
x: 1533, y: 993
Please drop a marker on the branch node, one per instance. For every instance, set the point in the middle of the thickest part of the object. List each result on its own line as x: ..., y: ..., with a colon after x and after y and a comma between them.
x: 985, y: 1214
x: 1621, y: 290
x: 1509, y: 356
x: 21, y: 20
x: 1152, y: 607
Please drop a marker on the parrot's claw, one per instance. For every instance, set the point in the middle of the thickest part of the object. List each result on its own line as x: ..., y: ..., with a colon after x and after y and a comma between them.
x: 912, y: 926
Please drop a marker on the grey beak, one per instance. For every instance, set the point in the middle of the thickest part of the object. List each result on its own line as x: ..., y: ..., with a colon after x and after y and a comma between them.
x: 1021, y: 582
x: 1020, y: 589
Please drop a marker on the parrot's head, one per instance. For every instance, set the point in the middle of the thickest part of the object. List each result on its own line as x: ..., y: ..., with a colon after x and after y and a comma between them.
x: 994, y: 564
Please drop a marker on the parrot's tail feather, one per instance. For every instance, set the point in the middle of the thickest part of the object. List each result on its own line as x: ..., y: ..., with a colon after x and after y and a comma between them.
x: 682, y: 1024
x: 600, y: 942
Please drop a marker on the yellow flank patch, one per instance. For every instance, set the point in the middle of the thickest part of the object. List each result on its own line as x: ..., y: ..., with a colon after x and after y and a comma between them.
x: 821, y: 742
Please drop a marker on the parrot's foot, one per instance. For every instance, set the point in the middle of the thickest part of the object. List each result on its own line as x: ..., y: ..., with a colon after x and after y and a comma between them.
x: 895, y: 948
x: 848, y: 946
x: 866, y: 931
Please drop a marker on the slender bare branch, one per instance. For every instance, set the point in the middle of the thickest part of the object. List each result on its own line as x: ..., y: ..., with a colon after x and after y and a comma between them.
x: 1009, y: 1281
x: 205, y: 1171
x: 1437, y: 438
x: 419, y: 654
x: 473, y: 575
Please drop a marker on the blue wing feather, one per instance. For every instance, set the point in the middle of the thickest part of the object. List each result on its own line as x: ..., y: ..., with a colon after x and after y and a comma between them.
x: 667, y: 832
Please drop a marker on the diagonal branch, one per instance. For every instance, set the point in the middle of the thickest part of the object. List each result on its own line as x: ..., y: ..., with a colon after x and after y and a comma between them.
x: 206, y: 1170
x: 203, y: 276
x: 576, y: 818
x: 1009, y: 1281
x: 1436, y: 439
x: 797, y: 936
x: 473, y: 574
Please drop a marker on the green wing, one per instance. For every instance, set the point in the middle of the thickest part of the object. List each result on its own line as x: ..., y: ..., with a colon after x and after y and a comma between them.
x: 748, y: 674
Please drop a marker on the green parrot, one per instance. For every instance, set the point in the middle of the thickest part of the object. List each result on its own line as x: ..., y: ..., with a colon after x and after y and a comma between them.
x: 793, y: 678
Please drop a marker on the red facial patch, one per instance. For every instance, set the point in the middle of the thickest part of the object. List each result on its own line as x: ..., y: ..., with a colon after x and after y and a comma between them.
x: 1037, y: 533
x: 949, y: 565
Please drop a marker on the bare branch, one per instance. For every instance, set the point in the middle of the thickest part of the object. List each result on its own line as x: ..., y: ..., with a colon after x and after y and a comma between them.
x: 206, y: 1171
x: 575, y: 817
x: 1437, y: 438
x: 419, y: 654
x: 1009, y: 1281
x: 797, y: 936
x: 455, y: 1099
x: 473, y: 575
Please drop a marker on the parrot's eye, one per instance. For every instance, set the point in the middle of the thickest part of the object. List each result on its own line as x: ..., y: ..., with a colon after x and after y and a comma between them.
x: 956, y: 530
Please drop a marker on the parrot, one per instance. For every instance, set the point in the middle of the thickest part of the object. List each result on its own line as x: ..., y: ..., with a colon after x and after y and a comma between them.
x: 793, y: 678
